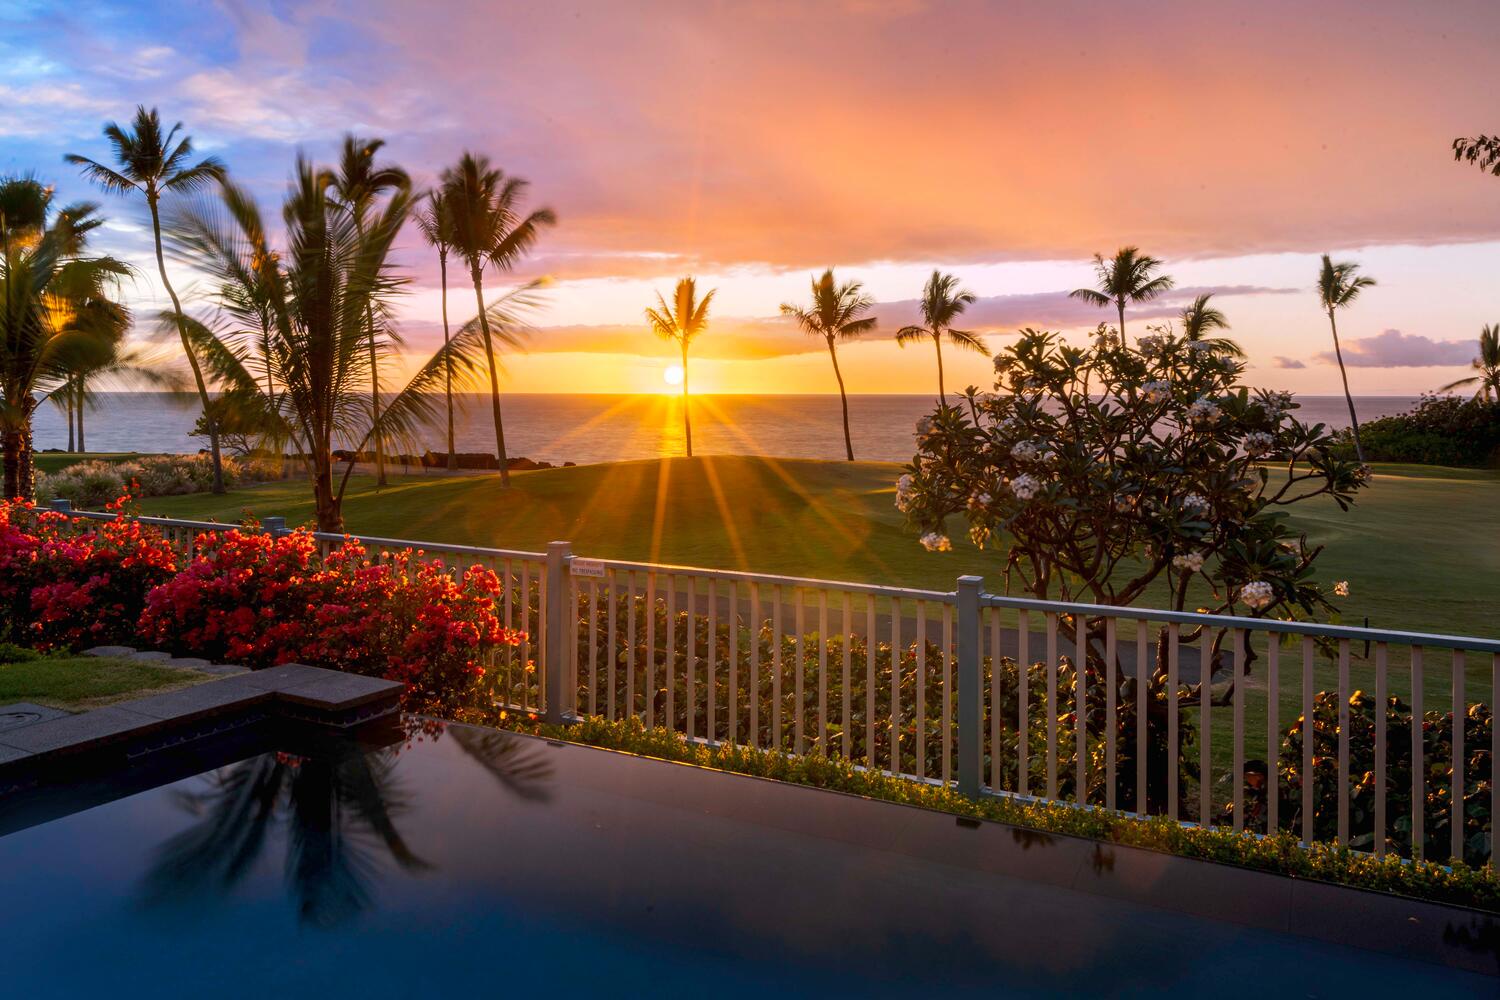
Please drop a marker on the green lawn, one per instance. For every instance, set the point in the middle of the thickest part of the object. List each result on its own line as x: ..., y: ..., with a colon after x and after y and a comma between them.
x: 77, y: 683
x: 1421, y: 550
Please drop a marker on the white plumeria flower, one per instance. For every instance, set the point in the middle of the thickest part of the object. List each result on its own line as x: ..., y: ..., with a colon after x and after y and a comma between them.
x: 1025, y: 452
x: 1190, y: 561
x: 1257, y: 594
x: 1150, y: 345
x: 904, y: 489
x: 1025, y: 486
x: 1203, y: 411
x: 936, y: 542
x: 1195, y: 501
x: 1259, y: 443
x: 1341, y: 588
x: 1157, y: 391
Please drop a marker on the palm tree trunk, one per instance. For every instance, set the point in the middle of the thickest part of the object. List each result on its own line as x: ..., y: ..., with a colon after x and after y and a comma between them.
x: 187, y: 348
x: 15, y: 447
x: 326, y: 504
x: 82, y: 443
x: 447, y: 361
x: 942, y: 394
x: 843, y: 399
x: 687, y: 420
x: 1359, y: 451
x: 69, y: 398
x: 1120, y: 303
x: 375, y: 400
x: 489, y: 356
x: 11, y: 443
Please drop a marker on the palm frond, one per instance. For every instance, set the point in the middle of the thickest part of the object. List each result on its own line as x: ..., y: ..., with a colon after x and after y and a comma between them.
x: 108, y: 180
x: 1090, y: 296
x: 908, y: 334
x: 966, y: 340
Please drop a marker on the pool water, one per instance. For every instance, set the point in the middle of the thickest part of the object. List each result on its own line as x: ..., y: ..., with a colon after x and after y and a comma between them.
x: 480, y: 863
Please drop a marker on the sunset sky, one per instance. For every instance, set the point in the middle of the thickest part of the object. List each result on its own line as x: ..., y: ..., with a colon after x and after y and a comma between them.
x: 754, y: 143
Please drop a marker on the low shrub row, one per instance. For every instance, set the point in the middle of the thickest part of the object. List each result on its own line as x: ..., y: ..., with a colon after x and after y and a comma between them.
x: 1441, y: 430
x: 1280, y: 853
x: 92, y: 484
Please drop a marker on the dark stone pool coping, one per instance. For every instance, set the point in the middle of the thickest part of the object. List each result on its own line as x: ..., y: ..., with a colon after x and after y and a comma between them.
x: 294, y: 692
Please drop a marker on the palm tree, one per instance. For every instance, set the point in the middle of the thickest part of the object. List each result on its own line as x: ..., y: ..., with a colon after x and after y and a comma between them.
x: 111, y: 361
x: 837, y: 314
x: 57, y: 316
x: 318, y: 294
x: 360, y: 183
x: 1483, y: 151
x: 1199, y: 318
x: 488, y: 230
x: 436, y: 225
x: 153, y: 162
x: 942, y: 303
x: 682, y: 323
x: 1339, y: 285
x: 1128, y: 276
x: 1487, y: 381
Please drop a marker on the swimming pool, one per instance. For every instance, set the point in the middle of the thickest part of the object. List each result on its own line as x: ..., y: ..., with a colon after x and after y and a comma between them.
x: 482, y: 861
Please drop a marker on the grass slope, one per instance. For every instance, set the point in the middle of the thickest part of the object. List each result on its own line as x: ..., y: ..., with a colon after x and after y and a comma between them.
x: 1421, y: 549
x: 77, y: 683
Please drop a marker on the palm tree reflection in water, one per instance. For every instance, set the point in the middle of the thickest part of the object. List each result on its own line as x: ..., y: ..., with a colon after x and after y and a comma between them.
x: 340, y: 811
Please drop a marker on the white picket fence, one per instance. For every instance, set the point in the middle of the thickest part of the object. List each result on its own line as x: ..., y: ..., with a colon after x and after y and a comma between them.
x: 980, y: 691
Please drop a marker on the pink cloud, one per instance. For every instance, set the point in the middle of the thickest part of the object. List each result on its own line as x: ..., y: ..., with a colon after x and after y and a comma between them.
x: 1394, y: 349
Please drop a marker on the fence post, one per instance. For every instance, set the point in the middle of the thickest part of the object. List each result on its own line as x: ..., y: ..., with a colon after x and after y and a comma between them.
x: 62, y: 505
x: 559, y: 708
x: 970, y: 691
x: 273, y: 526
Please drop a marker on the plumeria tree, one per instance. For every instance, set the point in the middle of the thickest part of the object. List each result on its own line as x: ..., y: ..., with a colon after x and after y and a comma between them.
x: 1103, y: 470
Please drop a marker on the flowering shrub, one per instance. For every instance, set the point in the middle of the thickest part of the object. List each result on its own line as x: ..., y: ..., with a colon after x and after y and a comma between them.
x: 246, y: 597
x: 69, y: 584
x: 251, y: 598
x: 410, y: 619
x: 92, y: 484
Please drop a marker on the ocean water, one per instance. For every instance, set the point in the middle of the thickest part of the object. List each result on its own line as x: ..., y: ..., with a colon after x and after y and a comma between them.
x: 603, y: 428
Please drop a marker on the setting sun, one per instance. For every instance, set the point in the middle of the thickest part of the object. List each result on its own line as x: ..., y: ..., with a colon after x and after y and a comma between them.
x: 672, y: 375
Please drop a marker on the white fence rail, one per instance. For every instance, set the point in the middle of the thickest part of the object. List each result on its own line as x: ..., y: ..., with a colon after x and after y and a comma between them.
x: 1383, y: 741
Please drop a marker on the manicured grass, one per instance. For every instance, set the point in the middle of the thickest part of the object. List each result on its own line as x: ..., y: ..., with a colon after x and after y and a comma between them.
x: 1421, y: 549
x: 55, y: 461
x: 78, y: 683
